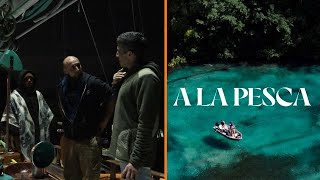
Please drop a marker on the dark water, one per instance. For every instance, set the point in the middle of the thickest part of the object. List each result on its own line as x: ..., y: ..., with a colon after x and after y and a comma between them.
x: 278, y: 142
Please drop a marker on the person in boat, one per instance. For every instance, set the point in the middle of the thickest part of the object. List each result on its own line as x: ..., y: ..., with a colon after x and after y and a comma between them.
x: 217, y: 125
x: 29, y: 115
x: 223, y: 126
x: 232, y: 130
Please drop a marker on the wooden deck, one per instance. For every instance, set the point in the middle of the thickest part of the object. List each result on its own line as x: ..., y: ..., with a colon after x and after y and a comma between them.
x: 115, y: 170
x: 110, y: 168
x: 56, y: 172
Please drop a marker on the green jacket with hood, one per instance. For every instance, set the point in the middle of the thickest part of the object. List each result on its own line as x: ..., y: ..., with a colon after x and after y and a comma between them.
x: 136, y: 117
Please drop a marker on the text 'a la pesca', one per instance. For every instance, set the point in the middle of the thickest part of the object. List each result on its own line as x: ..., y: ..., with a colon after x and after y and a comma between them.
x: 253, y: 96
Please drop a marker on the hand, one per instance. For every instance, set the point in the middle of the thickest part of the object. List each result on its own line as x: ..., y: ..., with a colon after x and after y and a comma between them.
x: 103, y: 125
x: 118, y: 76
x: 129, y: 172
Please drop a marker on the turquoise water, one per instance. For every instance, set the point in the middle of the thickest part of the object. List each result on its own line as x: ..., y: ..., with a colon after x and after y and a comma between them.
x: 278, y: 142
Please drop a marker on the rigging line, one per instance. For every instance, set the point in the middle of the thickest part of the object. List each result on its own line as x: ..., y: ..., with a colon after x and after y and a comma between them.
x: 63, y: 35
x: 133, y: 20
x: 110, y: 12
x: 93, y: 40
x: 140, y: 16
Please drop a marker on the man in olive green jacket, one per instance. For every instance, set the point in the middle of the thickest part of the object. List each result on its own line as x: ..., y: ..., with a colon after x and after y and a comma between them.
x: 136, y: 117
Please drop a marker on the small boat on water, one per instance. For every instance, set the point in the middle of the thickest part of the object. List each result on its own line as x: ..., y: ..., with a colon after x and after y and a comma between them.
x: 237, y: 135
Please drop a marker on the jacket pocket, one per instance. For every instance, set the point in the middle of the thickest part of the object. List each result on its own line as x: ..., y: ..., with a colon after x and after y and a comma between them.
x: 125, y: 144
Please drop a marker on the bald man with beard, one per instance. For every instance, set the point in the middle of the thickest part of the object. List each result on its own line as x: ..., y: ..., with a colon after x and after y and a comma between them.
x: 86, y: 104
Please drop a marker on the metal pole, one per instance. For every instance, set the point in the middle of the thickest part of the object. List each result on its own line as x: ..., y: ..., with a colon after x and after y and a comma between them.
x: 8, y: 103
x: 44, y: 20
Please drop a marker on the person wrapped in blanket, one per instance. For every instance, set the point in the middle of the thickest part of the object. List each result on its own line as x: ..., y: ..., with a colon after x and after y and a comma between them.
x: 29, y: 117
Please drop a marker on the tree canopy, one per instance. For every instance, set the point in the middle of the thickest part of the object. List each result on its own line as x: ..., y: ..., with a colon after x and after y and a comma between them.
x: 202, y: 30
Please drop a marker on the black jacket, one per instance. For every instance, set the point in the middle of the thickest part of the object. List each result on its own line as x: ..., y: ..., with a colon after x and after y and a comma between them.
x: 90, y: 109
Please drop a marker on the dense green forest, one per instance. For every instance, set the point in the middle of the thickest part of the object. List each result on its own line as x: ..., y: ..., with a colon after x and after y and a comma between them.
x: 202, y: 31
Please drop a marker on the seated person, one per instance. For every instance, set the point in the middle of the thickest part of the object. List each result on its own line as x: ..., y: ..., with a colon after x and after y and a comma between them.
x: 231, y: 124
x: 223, y: 126
x: 216, y: 125
x: 233, y: 132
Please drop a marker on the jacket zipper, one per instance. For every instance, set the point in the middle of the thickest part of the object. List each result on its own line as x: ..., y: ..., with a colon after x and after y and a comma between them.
x: 60, y: 103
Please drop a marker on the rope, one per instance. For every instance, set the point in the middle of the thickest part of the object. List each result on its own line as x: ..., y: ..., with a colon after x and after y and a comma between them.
x: 140, y: 15
x: 93, y: 40
x: 110, y: 11
x: 134, y: 23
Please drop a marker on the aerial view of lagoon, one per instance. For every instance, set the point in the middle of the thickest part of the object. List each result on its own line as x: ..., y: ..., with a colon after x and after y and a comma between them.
x: 278, y: 142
